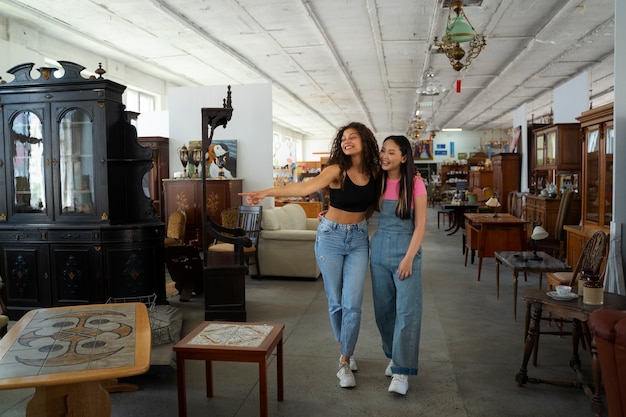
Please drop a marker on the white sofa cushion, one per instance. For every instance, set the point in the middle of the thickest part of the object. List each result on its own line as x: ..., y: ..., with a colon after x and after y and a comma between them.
x: 297, y: 216
x: 287, y: 217
x: 269, y: 220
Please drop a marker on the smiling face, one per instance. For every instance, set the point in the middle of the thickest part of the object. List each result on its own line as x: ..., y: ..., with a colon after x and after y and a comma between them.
x: 351, y: 142
x: 391, y: 158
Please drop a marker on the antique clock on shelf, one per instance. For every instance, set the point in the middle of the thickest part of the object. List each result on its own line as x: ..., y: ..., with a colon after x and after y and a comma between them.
x: 75, y: 224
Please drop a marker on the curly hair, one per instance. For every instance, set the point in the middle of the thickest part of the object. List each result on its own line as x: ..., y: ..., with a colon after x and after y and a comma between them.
x: 370, y: 161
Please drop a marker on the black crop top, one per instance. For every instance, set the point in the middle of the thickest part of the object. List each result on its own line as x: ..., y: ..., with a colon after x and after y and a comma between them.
x: 353, y: 198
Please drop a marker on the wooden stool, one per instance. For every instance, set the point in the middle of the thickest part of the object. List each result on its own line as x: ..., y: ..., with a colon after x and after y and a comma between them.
x: 230, y: 342
x: 444, y: 212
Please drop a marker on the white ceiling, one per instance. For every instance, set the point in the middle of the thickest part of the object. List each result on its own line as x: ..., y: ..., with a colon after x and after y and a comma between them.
x: 335, y: 61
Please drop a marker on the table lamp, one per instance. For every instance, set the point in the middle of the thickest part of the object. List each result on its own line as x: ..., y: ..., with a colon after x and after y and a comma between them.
x: 493, y: 203
x: 539, y: 233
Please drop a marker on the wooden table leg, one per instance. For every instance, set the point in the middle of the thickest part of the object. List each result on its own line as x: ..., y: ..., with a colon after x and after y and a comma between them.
x: 263, y: 386
x: 515, y: 274
x: 522, y: 376
x: 279, y: 370
x: 182, y: 388
x: 71, y: 400
x: 208, y: 375
x: 596, y: 401
x: 498, y: 279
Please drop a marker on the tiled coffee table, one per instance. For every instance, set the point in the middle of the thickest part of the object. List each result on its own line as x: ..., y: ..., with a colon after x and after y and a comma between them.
x: 230, y: 342
x: 70, y: 354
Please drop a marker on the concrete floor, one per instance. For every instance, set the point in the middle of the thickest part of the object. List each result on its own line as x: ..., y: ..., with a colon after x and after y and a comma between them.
x: 471, y: 349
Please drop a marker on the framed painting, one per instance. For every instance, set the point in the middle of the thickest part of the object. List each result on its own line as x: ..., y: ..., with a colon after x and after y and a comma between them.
x: 222, y: 159
x: 423, y: 150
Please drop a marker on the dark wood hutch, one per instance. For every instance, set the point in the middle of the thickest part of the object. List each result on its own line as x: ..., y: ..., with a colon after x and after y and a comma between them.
x: 75, y: 224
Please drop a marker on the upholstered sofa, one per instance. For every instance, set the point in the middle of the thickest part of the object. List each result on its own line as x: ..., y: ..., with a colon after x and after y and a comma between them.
x: 609, y: 330
x: 287, y: 243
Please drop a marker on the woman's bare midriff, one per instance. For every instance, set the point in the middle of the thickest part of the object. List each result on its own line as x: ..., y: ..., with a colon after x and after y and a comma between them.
x: 344, y: 217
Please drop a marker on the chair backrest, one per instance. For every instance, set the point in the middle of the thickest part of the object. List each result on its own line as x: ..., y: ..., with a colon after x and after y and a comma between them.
x: 229, y: 217
x: 564, y: 207
x: 487, y: 193
x: 249, y: 219
x: 592, y: 255
x: 176, y: 225
x: 479, y: 194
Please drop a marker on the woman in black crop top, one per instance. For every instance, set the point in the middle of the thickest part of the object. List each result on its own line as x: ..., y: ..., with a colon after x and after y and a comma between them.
x: 342, y: 243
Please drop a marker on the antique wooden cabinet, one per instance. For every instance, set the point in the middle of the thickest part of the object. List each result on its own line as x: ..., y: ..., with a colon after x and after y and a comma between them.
x: 555, y: 147
x: 597, y: 190
x: 153, y: 180
x: 186, y: 195
x: 481, y: 179
x: 453, y: 173
x: 556, y: 155
x: 75, y: 224
x: 598, y: 137
x: 546, y: 210
x: 506, y: 176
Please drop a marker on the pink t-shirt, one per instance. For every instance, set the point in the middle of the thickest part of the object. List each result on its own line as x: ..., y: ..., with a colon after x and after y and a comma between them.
x: 393, y: 189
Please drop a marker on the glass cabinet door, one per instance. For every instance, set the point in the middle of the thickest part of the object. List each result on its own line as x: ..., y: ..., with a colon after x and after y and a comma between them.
x: 28, y: 163
x: 550, y: 146
x: 539, y: 151
x: 608, y: 183
x: 76, y: 163
x: 592, y: 180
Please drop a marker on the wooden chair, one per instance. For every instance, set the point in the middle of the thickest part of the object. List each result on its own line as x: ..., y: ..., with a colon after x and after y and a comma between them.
x: 185, y: 267
x: 555, y: 245
x: 4, y: 313
x: 593, y: 258
x: 176, y: 224
x: 248, y: 219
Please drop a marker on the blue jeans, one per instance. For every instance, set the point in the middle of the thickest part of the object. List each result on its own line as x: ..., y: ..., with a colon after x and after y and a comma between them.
x: 342, y: 252
x: 397, y: 304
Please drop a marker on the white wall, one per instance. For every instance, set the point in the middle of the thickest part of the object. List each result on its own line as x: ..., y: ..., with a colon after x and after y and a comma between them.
x: 251, y: 126
x: 571, y: 99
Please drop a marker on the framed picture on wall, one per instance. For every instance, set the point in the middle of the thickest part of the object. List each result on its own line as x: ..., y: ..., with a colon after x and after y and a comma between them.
x: 423, y: 150
x: 222, y: 159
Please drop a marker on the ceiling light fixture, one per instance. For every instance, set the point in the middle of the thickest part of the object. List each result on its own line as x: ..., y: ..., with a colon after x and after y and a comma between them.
x: 459, y: 30
x: 430, y: 85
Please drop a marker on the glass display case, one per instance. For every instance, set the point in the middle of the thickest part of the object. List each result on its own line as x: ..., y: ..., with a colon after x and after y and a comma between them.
x: 75, y: 224
x: 598, y: 167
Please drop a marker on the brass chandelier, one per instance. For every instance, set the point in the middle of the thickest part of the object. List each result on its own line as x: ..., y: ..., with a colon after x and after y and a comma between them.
x: 459, y: 30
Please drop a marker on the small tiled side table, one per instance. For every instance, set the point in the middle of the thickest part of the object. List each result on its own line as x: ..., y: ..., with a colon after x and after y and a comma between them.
x: 231, y: 342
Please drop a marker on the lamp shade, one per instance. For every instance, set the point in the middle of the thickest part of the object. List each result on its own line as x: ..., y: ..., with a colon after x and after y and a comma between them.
x: 539, y: 233
x: 492, y: 202
x: 459, y: 31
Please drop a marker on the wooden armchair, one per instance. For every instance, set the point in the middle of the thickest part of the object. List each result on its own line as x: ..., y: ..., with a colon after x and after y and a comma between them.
x: 593, y: 258
x: 248, y: 227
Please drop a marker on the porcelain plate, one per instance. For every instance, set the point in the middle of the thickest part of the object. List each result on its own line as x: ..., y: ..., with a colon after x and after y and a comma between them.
x: 556, y: 296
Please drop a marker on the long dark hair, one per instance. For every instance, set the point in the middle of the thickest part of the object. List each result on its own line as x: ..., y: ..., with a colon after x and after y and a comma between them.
x: 407, y: 174
x: 369, y: 162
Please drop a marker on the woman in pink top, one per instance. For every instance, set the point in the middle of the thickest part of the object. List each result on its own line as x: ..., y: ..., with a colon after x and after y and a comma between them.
x: 396, y: 261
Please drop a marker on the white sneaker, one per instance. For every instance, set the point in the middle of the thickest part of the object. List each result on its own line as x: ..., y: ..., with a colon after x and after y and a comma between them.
x: 345, y: 375
x: 388, y: 371
x: 353, y: 366
x: 399, y: 384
